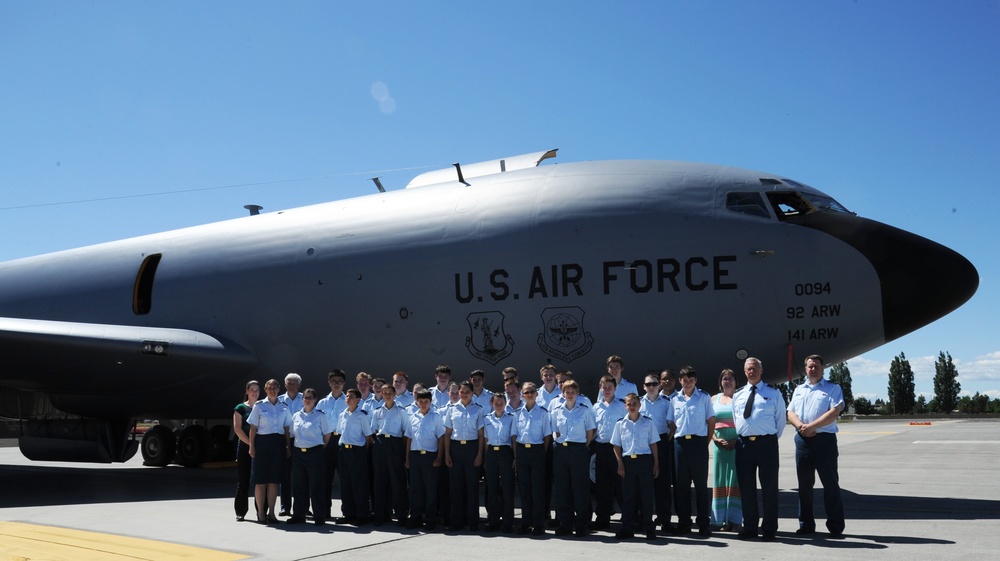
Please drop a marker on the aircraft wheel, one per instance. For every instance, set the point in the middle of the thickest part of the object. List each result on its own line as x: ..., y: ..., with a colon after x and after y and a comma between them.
x: 194, y: 446
x: 158, y: 446
x: 223, y: 448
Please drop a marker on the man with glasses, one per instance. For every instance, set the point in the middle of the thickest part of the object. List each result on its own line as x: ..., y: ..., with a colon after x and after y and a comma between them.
x: 660, y: 410
x: 293, y: 400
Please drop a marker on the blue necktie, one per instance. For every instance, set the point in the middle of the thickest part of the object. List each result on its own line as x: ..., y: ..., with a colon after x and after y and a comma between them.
x: 748, y: 410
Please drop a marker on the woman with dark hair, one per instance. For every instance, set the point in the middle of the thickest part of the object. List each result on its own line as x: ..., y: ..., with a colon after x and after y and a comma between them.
x: 243, y: 461
x: 270, y: 444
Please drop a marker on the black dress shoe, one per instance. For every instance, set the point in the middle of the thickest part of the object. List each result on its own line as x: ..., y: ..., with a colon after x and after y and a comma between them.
x: 651, y: 535
x: 624, y: 535
x: 507, y: 530
x: 599, y: 525
x: 455, y: 528
x: 682, y: 530
x: 431, y: 527
x: 240, y: 518
x: 767, y: 537
x: 296, y: 520
x: 669, y: 528
x: 806, y: 530
x: 538, y: 532
x: 473, y: 527
x: 524, y: 529
x: 319, y: 522
x: 492, y: 527
x: 401, y: 523
x: 560, y: 531
x: 747, y: 535
x: 284, y: 512
x: 582, y: 532
x: 344, y: 520
x: 705, y: 532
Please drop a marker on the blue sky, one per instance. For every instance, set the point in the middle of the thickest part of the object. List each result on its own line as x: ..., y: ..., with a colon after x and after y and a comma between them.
x: 891, y: 106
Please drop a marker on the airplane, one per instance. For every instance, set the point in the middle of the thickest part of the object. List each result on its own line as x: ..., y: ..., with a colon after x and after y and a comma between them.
x: 481, y: 266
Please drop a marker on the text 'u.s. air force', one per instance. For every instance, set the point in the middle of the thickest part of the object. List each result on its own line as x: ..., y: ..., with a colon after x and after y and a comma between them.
x: 571, y: 279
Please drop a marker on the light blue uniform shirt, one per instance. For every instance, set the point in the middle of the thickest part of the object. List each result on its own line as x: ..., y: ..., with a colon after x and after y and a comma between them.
x: 294, y: 405
x: 810, y: 402
x: 425, y: 430
x: 499, y: 430
x: 691, y: 414
x: 621, y: 390
x: 635, y: 438
x: 768, y: 415
x: 545, y: 397
x: 268, y: 418
x: 371, y: 404
x: 354, y: 427
x: 463, y: 421
x: 333, y: 407
x: 606, y: 416
x: 308, y: 428
x: 660, y: 410
x: 571, y: 425
x: 559, y: 400
x: 533, y: 425
x: 512, y: 410
x: 483, y: 399
x: 404, y: 399
x: 439, y: 398
x: 389, y: 421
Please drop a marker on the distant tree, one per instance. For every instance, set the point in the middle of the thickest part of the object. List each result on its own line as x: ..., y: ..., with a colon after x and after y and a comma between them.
x: 921, y: 406
x: 788, y: 388
x: 863, y: 407
x: 974, y: 405
x: 946, y: 386
x: 902, y: 392
x: 994, y: 406
x: 841, y: 374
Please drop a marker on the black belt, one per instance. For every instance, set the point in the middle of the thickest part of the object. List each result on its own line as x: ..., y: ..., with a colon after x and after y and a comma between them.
x: 311, y: 448
x: 567, y: 443
x: 756, y: 437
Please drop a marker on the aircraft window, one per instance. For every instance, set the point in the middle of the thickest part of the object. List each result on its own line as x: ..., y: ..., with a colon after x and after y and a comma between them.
x: 142, y: 293
x: 823, y: 202
x: 747, y: 203
x: 789, y: 204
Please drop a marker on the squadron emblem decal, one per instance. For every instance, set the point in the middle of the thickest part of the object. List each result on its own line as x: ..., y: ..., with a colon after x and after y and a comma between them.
x: 487, y: 340
x: 562, y: 335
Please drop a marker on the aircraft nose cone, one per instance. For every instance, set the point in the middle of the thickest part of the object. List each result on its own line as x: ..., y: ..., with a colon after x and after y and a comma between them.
x: 921, y: 280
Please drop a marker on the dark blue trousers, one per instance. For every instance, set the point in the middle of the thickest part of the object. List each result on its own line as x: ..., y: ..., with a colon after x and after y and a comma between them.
x: 757, y: 457
x: 635, y: 491
x: 818, y: 454
x: 532, y: 479
x: 307, y: 482
x: 663, y: 485
x: 353, y: 466
x: 424, y: 486
x: 464, y: 483
x: 389, y: 469
x: 499, y: 463
x: 571, y: 464
x: 607, y: 483
x: 691, y: 459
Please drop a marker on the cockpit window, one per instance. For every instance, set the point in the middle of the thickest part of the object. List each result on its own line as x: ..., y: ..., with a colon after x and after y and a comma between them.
x: 823, y: 202
x: 788, y: 204
x: 747, y: 203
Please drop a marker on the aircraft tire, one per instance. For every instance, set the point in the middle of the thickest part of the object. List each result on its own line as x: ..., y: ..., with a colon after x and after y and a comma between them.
x: 223, y: 448
x: 194, y: 446
x: 158, y: 446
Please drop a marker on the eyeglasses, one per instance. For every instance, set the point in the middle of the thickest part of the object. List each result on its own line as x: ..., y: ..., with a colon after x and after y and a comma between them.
x: 651, y: 384
x: 529, y: 392
x: 308, y: 397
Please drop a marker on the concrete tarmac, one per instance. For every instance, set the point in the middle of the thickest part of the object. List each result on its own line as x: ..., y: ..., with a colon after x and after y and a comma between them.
x: 910, y: 492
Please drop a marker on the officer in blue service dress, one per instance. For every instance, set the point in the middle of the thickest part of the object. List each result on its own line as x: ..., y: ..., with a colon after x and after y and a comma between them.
x: 389, y: 459
x: 463, y: 454
x: 660, y: 409
x: 270, y: 444
x: 500, y: 430
x: 534, y: 435
x: 573, y: 428
x: 634, y: 439
x: 813, y: 412
x: 311, y: 430
x: 607, y: 411
x: 759, y: 415
x: 355, y: 430
x: 695, y: 419
x: 424, y: 458
x: 293, y: 399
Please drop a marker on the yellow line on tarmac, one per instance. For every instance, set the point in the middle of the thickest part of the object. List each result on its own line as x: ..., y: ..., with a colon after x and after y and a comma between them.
x: 19, y: 541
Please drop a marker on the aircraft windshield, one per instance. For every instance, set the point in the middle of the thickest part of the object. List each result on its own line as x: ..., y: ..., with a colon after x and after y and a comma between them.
x: 823, y: 202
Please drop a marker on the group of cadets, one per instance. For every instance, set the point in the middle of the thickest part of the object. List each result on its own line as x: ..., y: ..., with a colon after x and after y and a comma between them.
x: 416, y: 458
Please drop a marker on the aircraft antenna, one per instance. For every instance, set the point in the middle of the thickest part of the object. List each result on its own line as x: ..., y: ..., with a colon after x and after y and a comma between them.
x: 378, y: 184
x: 460, y: 177
x: 254, y: 209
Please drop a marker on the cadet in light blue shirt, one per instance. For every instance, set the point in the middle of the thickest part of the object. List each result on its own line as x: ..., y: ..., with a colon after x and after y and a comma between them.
x: 500, y: 432
x: 695, y: 419
x: 404, y: 397
x: 549, y: 389
x: 607, y: 411
x: 534, y: 434
x: 463, y: 454
x: 439, y: 393
x: 616, y: 365
x: 660, y: 409
x: 573, y: 428
x: 635, y: 439
x: 355, y: 430
x: 311, y: 430
x: 424, y: 455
